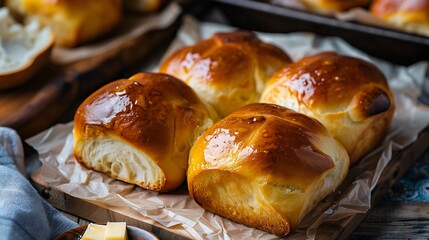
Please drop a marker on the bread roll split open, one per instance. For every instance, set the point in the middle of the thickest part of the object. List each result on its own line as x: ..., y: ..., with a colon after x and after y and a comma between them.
x: 139, y: 130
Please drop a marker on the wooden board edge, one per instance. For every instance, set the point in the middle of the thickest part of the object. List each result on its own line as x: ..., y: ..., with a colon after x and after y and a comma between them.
x: 93, y: 212
x: 396, y: 168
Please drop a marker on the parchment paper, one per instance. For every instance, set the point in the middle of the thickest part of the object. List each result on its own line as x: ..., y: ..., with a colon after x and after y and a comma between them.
x: 130, y: 27
x: 62, y: 172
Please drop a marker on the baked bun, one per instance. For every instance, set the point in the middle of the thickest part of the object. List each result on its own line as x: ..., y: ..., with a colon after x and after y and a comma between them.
x: 265, y: 166
x: 408, y: 15
x: 228, y: 70
x: 333, y: 6
x: 349, y: 96
x: 145, y: 6
x: 139, y: 130
x: 72, y: 21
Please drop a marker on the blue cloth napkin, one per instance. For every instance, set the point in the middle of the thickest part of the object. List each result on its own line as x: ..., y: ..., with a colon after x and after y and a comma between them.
x: 23, y: 213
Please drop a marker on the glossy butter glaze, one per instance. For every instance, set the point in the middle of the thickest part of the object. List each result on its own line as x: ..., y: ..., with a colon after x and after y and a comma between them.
x: 350, y: 96
x: 156, y: 114
x: 265, y: 166
x: 407, y: 15
x: 275, y: 140
x: 140, y: 108
x: 333, y: 6
x: 227, y: 70
x: 328, y: 79
x: 381, y: 7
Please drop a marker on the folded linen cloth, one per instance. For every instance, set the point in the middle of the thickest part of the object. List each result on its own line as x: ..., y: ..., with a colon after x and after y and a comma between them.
x: 23, y: 213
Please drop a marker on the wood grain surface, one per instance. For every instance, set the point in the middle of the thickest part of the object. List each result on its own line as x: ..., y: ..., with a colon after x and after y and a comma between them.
x: 395, y: 220
x: 38, y: 103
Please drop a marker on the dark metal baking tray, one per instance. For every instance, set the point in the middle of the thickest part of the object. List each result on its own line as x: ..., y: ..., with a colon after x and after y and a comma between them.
x: 394, y: 46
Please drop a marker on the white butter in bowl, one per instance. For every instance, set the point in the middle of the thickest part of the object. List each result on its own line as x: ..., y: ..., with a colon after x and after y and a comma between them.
x: 24, y: 49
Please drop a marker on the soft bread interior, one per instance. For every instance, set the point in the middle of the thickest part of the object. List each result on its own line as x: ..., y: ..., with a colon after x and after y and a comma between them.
x: 19, y: 45
x: 237, y: 198
x: 121, y: 161
x: 267, y: 203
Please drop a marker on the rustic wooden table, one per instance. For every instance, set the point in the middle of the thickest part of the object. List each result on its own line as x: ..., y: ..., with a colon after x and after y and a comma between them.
x: 404, y: 211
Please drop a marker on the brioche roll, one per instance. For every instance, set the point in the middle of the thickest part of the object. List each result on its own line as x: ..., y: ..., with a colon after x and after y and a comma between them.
x: 349, y: 96
x: 139, y: 130
x: 73, y: 22
x: 333, y: 6
x: 408, y: 15
x: 265, y: 166
x: 145, y: 6
x: 228, y: 70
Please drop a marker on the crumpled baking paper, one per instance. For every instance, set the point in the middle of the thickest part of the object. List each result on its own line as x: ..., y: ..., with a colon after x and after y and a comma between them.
x: 62, y: 171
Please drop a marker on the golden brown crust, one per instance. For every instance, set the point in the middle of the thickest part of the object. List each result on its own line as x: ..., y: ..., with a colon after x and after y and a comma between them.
x: 228, y: 70
x: 370, y: 102
x: 145, y: 6
x: 350, y: 96
x: 328, y: 80
x: 408, y: 15
x: 272, y: 222
x: 73, y: 22
x: 333, y: 6
x: 265, y: 166
x: 384, y: 7
x: 154, y: 113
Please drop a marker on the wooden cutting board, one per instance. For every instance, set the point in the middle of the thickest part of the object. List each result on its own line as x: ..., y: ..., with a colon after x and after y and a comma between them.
x: 36, y: 104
